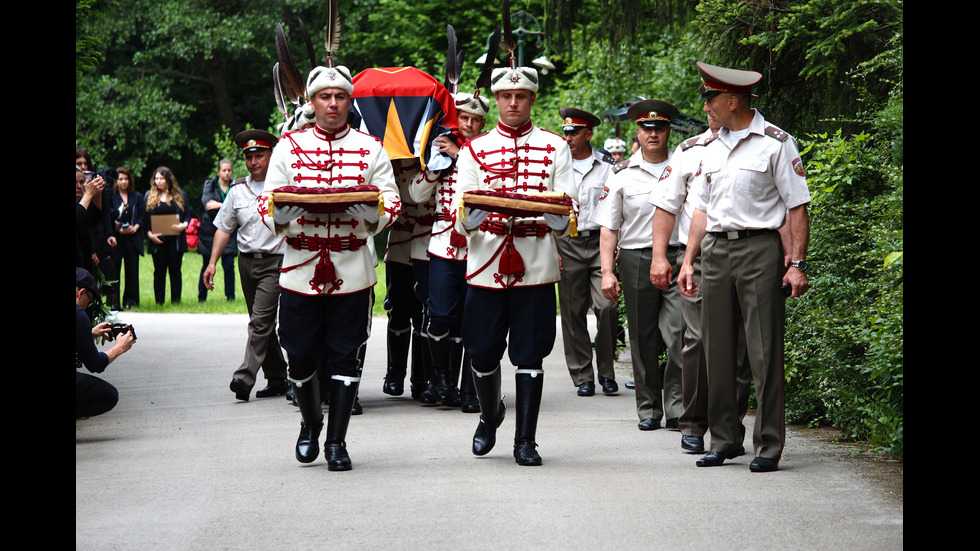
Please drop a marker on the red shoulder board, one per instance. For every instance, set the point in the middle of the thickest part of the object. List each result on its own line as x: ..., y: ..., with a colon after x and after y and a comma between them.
x: 238, y: 181
x: 689, y: 143
x: 620, y: 166
x: 774, y: 132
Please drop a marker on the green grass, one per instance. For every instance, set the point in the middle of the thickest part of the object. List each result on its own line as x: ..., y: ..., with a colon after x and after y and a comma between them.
x: 215, y: 303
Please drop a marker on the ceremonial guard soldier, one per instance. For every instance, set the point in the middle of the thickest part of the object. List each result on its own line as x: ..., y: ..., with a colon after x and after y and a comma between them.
x: 512, y: 262
x: 751, y: 185
x: 328, y: 271
x: 447, y: 250
x: 406, y: 245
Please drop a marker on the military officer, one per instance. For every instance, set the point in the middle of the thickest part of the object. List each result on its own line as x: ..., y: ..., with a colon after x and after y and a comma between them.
x: 512, y: 262
x: 652, y: 316
x: 752, y: 183
x: 581, y: 269
x: 259, y: 260
x: 328, y: 268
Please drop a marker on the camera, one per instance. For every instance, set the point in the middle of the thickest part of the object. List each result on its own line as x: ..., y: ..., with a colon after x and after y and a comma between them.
x: 120, y: 328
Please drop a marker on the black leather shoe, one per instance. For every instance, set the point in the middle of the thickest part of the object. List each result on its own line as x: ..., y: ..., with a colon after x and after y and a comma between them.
x: 586, y: 389
x: 290, y: 396
x: 692, y: 444
x: 469, y: 403
x: 672, y: 424
x: 763, y: 465
x: 274, y: 388
x: 629, y: 384
x: 240, y: 388
x: 393, y: 386
x: 452, y: 398
x: 525, y: 454
x: 716, y: 459
x: 336, y: 456
x: 648, y: 424
x: 609, y: 386
x: 429, y: 396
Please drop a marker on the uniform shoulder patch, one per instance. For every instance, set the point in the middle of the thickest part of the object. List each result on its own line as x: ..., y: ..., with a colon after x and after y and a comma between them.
x: 689, y: 143
x: 798, y: 167
x: 238, y: 181
x: 711, y: 138
x: 620, y: 166
x: 774, y: 132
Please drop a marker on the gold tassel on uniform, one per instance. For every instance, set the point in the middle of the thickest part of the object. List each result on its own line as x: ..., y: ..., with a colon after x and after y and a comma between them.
x: 572, y: 226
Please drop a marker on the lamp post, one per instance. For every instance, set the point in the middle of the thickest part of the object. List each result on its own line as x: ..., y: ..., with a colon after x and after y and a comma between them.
x: 523, y: 35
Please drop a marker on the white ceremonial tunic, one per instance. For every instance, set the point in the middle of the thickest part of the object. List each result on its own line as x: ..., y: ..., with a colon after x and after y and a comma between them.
x: 445, y: 241
x: 749, y: 185
x: 624, y: 205
x: 521, y: 160
x: 318, y: 244
x: 409, y: 235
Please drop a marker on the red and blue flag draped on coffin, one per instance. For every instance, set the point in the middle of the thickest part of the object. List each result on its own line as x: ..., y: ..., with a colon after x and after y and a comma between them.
x: 406, y: 108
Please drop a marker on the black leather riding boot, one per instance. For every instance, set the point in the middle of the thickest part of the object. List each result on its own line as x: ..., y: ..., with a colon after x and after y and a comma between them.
x: 455, y: 356
x: 343, y: 391
x: 398, y: 345
x: 307, y: 394
x: 488, y: 389
x: 436, y: 368
x: 421, y: 365
x: 467, y: 391
x: 530, y: 383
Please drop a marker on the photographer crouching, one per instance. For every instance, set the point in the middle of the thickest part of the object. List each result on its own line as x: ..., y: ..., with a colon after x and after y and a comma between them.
x: 94, y: 396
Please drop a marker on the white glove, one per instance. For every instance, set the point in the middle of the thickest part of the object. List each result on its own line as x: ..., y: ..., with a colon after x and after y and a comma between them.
x: 557, y: 222
x: 285, y: 215
x: 368, y: 213
x: 474, y: 217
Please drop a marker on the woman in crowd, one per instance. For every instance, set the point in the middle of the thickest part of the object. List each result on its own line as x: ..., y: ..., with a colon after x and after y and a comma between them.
x: 127, y: 204
x: 165, y: 197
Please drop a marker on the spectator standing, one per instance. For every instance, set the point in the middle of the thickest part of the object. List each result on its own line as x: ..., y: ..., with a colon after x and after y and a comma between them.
x: 127, y: 204
x: 213, y: 195
x: 166, y: 198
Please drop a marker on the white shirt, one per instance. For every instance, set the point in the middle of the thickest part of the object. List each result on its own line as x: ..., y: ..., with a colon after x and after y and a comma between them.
x: 751, y: 183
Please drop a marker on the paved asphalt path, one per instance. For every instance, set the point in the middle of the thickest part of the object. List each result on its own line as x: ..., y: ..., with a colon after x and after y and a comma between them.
x: 179, y: 464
